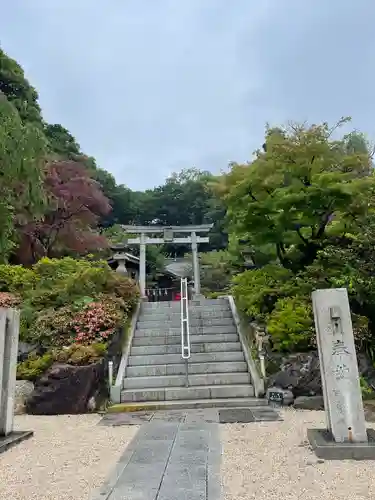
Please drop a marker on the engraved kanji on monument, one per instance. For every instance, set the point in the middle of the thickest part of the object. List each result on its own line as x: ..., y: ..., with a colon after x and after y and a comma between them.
x: 338, y: 366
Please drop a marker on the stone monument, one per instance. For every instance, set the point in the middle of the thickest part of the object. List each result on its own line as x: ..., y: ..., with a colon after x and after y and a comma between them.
x: 9, y: 332
x: 346, y: 435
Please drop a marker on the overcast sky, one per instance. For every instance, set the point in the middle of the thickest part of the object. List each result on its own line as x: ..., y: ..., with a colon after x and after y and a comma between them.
x: 148, y: 87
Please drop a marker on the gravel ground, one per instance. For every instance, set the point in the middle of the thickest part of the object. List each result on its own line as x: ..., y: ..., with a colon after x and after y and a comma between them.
x: 67, y: 459
x: 269, y: 461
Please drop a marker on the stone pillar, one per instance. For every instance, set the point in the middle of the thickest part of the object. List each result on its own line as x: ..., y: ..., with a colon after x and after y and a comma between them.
x: 142, y: 265
x: 338, y: 366
x: 9, y: 333
x: 194, y: 250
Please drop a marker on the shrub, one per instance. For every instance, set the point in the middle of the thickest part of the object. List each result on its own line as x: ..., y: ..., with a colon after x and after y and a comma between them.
x: 64, y: 281
x: 51, y: 327
x: 34, y: 366
x: 291, y: 324
x: 16, y: 279
x: 97, y: 321
x: 257, y: 291
x: 78, y: 354
x: 367, y: 391
x: 9, y: 299
x: 122, y: 287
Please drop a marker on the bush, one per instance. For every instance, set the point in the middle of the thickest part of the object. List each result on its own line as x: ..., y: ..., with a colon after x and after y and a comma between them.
x: 98, y: 321
x: 367, y: 391
x: 217, y: 270
x: 50, y: 327
x: 34, y: 366
x: 85, y: 321
x: 79, y: 355
x: 16, y: 279
x: 291, y: 324
x: 257, y: 291
x: 9, y: 299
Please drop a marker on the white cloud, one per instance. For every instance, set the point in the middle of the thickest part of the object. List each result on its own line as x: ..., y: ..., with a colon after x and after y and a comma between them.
x: 151, y: 86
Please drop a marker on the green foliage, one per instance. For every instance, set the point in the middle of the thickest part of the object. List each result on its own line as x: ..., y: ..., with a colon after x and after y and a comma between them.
x: 22, y: 148
x: 61, y: 141
x: 16, y: 278
x: 217, y: 269
x: 34, y: 366
x: 57, y: 292
x: 367, y: 391
x: 303, y: 212
x: 78, y: 354
x: 18, y: 90
x: 290, y: 324
x: 257, y: 291
x: 300, y: 194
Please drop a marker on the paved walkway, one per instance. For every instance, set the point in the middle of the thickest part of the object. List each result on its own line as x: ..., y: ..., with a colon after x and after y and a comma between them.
x: 176, y: 455
x: 168, y: 460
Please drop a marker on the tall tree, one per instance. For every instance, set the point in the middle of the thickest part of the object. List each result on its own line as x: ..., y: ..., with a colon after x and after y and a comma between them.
x: 69, y: 224
x: 22, y: 148
x: 299, y: 194
x: 18, y: 90
x: 61, y: 141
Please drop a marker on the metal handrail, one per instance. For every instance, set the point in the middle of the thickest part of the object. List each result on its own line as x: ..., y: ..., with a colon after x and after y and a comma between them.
x: 185, y: 328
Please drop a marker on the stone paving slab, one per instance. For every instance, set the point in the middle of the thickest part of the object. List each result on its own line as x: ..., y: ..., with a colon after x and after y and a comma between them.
x: 167, y: 461
x: 175, y: 455
x: 206, y: 415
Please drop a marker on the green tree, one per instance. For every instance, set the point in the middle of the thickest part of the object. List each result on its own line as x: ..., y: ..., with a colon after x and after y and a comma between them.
x: 61, y: 142
x: 304, y: 191
x: 22, y: 152
x: 18, y: 90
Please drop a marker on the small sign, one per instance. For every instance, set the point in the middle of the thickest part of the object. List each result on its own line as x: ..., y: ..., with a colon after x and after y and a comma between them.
x: 168, y: 235
x: 276, y: 398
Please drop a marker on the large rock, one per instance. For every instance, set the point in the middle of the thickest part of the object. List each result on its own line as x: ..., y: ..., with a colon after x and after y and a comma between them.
x: 300, y: 373
x: 24, y: 349
x: 66, y: 389
x: 24, y: 389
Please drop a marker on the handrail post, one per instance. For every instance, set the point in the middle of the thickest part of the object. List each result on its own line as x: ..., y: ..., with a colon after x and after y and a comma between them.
x: 185, y: 329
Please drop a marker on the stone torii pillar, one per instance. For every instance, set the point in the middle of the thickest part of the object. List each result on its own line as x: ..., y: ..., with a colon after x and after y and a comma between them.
x: 142, y: 264
x: 196, y: 271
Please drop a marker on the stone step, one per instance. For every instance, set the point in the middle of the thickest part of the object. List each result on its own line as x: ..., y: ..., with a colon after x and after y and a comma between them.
x: 176, y: 339
x: 193, y: 315
x: 193, y: 310
x: 175, y: 348
x: 175, y: 304
x: 187, y: 393
x: 253, y: 403
x: 176, y: 322
x: 180, y: 369
x: 195, y: 380
x: 164, y: 359
x: 195, y: 330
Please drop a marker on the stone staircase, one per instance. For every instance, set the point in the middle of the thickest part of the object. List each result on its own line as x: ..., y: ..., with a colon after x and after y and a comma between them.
x: 218, y: 374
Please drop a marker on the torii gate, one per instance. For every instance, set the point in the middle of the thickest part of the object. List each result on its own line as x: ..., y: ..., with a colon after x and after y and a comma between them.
x: 168, y: 237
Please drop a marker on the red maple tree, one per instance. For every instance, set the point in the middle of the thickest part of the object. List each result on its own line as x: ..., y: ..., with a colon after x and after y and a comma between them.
x: 69, y: 225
